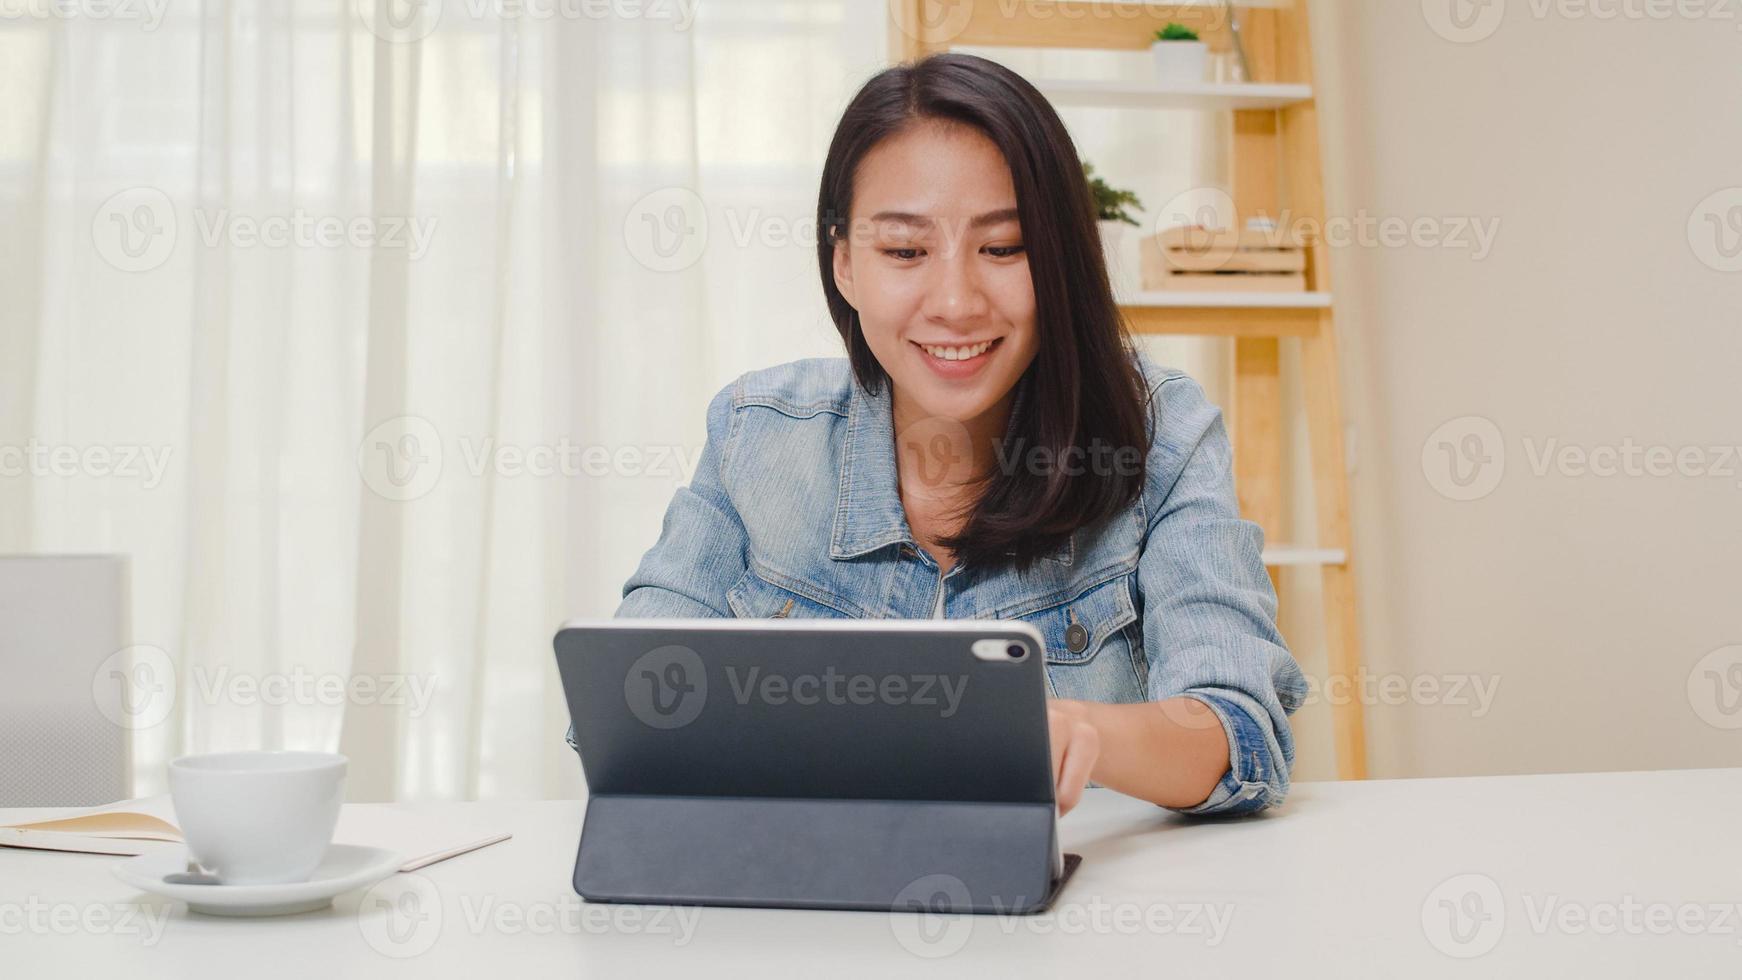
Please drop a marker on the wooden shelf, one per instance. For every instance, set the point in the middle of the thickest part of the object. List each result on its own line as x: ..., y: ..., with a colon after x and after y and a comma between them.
x: 1239, y: 315
x: 1285, y: 555
x: 1154, y: 95
x: 1227, y: 300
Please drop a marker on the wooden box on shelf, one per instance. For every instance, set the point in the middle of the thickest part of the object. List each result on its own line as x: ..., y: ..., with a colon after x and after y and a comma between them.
x: 1217, y: 260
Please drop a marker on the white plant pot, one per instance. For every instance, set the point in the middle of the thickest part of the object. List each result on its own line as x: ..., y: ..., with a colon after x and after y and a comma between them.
x: 1117, y: 251
x: 1180, y: 62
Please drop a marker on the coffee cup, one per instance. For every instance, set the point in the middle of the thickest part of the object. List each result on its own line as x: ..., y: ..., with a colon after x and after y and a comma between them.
x: 258, y: 818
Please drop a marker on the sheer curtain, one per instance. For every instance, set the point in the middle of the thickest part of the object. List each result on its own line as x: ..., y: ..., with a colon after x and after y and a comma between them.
x: 378, y: 338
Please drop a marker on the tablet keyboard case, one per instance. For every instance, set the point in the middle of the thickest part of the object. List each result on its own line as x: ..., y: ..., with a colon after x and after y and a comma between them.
x: 875, y: 806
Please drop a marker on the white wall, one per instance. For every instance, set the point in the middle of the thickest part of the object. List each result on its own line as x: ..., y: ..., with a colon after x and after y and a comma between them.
x: 1593, y: 322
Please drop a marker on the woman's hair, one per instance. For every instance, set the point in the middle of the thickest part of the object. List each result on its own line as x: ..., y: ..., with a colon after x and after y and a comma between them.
x: 1084, y: 392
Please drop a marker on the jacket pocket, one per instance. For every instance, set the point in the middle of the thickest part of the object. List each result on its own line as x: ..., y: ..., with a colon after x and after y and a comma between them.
x: 1077, y: 629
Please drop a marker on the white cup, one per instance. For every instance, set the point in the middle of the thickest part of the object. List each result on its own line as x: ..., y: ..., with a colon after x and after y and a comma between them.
x: 258, y: 818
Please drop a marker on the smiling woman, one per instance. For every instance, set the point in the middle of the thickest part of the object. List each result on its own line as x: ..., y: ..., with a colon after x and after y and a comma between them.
x: 993, y: 448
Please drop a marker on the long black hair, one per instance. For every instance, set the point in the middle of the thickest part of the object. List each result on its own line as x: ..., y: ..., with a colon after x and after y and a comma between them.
x: 1084, y: 391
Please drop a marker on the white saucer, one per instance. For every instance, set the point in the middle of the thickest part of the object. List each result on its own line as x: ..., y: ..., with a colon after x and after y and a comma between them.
x: 345, y: 866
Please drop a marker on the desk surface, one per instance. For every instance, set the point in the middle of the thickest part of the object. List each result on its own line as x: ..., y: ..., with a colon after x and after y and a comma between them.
x: 1617, y: 874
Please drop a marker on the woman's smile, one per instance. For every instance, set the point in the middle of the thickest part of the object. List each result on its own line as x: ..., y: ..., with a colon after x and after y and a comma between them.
x: 957, y: 360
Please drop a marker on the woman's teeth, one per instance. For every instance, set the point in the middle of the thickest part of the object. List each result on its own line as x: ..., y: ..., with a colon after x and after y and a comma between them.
x: 957, y: 353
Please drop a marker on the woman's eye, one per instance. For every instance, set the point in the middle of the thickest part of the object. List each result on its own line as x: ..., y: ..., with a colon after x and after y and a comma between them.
x: 1004, y: 251
x: 903, y: 254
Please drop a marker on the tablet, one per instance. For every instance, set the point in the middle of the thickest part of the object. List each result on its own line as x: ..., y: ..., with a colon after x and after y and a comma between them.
x: 846, y: 764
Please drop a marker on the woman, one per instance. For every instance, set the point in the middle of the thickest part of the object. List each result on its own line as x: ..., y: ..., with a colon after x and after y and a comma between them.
x: 992, y: 448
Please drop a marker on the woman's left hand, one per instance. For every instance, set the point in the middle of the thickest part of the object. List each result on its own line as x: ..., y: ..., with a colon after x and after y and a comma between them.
x: 1076, y: 744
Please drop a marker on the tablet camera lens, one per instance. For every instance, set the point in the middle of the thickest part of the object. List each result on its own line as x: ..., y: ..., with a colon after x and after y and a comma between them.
x: 1016, y: 651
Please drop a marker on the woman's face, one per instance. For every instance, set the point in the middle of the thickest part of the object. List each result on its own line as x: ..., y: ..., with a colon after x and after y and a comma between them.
x: 936, y: 268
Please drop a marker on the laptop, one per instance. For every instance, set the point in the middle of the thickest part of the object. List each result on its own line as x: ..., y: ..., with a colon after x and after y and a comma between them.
x: 826, y: 764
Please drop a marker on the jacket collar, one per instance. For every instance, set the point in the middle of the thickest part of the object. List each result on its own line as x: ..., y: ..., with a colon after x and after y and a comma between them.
x: 868, y: 511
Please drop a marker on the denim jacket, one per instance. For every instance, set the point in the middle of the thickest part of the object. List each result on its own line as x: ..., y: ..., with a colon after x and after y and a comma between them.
x: 794, y: 511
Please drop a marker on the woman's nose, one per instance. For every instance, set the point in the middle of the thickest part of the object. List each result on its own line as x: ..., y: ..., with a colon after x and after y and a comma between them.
x: 955, y: 294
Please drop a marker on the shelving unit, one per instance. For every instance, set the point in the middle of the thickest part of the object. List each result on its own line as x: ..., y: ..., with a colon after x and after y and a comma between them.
x: 1217, y: 96
x: 1276, y: 162
x: 1227, y: 301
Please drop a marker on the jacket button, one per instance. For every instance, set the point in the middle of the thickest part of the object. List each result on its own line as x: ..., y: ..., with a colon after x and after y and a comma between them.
x: 1076, y: 637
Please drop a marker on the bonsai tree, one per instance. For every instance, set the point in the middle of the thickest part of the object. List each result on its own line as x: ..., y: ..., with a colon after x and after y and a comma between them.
x: 1176, y: 31
x: 1110, y: 202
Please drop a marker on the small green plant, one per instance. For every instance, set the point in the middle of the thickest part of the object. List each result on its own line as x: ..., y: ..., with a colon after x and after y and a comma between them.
x: 1176, y: 31
x: 1110, y: 202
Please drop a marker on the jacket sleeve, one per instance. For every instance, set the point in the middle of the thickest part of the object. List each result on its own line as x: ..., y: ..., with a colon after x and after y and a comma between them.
x: 1209, y: 612
x: 701, y: 551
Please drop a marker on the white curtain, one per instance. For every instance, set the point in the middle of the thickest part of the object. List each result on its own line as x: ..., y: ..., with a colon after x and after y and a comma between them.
x: 379, y: 337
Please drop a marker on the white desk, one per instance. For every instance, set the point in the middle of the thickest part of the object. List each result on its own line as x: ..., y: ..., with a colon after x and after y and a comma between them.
x: 1585, y: 875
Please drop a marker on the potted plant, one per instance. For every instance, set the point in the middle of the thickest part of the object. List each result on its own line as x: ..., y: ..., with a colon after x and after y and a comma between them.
x: 1113, y: 211
x: 1180, y: 57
